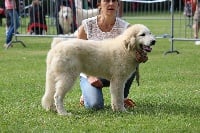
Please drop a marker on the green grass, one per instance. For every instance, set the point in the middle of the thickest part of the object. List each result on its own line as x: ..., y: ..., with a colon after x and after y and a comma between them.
x: 168, y: 99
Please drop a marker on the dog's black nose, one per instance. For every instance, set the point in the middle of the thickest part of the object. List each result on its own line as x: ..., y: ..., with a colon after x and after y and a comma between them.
x: 153, y: 42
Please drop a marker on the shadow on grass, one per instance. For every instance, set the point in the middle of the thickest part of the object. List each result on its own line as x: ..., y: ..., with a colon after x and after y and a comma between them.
x: 145, y: 109
x: 167, y: 108
x: 142, y: 108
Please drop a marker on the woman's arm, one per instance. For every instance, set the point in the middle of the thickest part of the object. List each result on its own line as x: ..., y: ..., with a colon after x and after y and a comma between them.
x: 81, y: 33
x: 94, y: 81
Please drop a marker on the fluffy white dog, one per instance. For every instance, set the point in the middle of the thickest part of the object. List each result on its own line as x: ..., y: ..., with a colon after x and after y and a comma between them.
x: 112, y: 59
x: 65, y: 19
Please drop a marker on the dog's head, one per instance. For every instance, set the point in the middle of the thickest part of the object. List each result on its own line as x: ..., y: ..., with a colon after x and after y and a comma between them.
x: 139, y: 37
x: 65, y: 12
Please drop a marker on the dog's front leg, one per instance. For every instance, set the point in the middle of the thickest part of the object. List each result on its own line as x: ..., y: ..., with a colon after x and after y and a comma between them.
x: 117, y: 95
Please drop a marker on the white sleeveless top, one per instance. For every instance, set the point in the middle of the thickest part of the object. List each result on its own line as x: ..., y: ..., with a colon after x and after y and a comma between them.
x: 94, y: 32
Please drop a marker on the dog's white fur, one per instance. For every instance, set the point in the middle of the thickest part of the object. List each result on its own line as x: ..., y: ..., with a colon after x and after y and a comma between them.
x: 82, y: 14
x: 65, y: 19
x: 112, y: 59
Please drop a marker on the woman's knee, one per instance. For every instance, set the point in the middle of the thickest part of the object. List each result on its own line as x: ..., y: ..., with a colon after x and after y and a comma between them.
x: 94, y: 104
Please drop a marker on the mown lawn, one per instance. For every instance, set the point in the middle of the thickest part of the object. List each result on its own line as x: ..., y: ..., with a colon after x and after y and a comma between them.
x: 168, y: 99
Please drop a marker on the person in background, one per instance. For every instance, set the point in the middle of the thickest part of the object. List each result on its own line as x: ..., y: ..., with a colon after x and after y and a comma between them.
x: 12, y: 19
x: 37, y: 23
x: 92, y: 4
x: 196, y: 18
x: 2, y: 12
x: 71, y: 4
x: 103, y: 26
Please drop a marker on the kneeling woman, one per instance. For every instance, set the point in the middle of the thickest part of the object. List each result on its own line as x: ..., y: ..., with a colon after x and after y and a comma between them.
x: 105, y: 25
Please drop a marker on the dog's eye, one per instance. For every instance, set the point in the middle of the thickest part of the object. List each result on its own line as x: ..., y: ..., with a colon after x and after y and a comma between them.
x: 143, y: 34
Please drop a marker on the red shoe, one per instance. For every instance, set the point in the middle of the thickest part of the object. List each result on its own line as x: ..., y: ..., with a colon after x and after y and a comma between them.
x: 128, y: 103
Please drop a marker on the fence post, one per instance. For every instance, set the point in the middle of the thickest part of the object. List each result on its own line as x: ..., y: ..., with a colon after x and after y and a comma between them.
x: 172, y: 30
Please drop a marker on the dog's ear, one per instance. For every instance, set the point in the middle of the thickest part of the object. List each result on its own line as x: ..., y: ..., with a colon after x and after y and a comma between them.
x: 130, y: 37
x: 129, y: 43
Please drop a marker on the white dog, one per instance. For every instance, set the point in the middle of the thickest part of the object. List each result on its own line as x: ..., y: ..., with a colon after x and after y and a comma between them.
x: 112, y: 59
x: 65, y: 18
x: 82, y: 14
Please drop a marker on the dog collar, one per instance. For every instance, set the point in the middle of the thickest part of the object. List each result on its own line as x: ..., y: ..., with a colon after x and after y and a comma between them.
x: 141, y: 56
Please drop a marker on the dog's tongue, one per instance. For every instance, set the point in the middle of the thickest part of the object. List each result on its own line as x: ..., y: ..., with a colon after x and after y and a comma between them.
x: 147, y: 48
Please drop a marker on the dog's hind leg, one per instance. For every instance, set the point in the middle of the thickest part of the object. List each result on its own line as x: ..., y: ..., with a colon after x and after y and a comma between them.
x: 64, y: 83
x: 117, y: 95
x: 48, y: 98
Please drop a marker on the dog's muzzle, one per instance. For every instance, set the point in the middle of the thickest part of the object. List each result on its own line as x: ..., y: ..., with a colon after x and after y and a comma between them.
x: 141, y: 55
x: 148, y: 48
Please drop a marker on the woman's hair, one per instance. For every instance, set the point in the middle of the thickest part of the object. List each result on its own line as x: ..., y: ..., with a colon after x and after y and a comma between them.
x: 99, y: 1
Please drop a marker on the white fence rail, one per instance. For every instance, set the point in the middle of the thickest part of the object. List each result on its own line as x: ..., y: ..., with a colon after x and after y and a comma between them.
x: 164, y: 17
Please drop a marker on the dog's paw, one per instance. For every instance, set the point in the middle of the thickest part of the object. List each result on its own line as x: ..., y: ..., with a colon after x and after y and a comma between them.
x: 53, y: 108
x: 64, y: 113
x: 120, y: 108
x: 50, y: 108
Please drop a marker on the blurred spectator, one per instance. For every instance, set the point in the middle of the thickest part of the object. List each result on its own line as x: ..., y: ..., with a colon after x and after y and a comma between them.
x: 196, y: 23
x: 12, y: 19
x: 92, y: 4
x: 37, y: 23
x: 2, y: 12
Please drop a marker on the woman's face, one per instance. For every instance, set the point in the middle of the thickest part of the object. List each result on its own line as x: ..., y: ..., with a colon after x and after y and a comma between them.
x: 109, y: 7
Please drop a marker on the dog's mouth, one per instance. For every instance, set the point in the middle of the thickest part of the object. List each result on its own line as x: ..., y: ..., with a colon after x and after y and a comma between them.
x: 146, y: 48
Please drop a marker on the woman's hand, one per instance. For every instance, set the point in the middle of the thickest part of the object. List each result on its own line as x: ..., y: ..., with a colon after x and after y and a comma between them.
x: 94, y: 81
